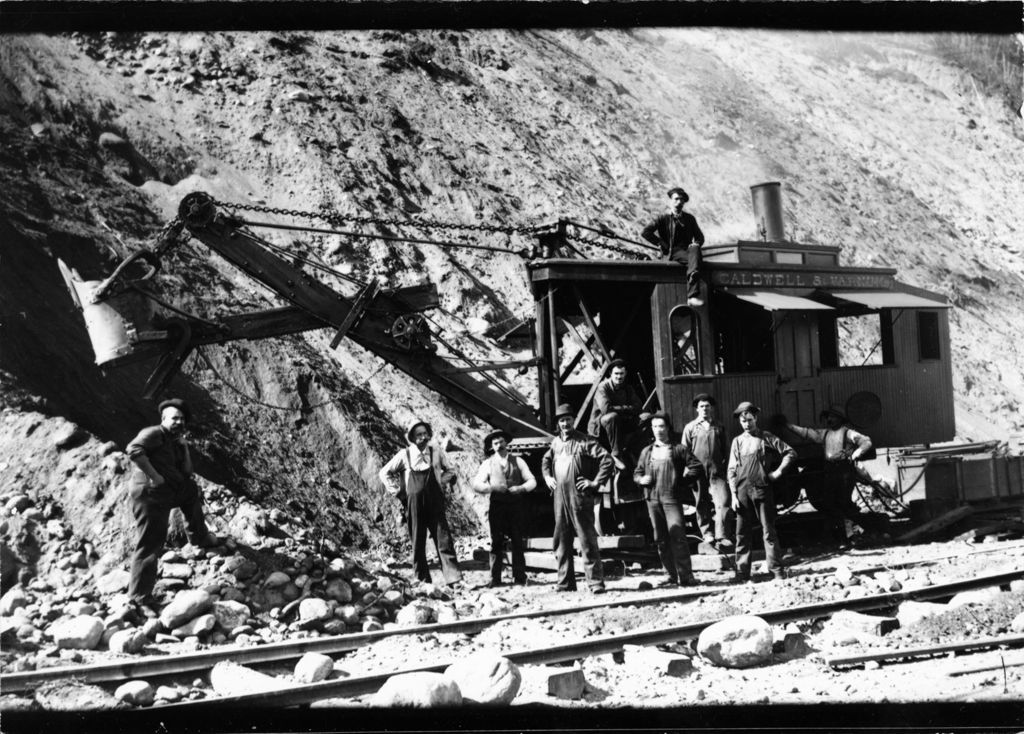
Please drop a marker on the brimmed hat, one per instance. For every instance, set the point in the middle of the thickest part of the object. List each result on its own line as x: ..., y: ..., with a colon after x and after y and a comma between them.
x: 564, y: 409
x: 746, y: 407
x: 414, y: 426
x: 616, y: 363
x: 686, y: 196
x: 493, y: 435
x: 703, y: 396
x: 175, y: 403
x: 834, y: 410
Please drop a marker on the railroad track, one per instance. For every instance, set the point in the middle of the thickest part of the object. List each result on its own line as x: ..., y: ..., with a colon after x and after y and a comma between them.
x: 362, y: 685
x: 170, y: 665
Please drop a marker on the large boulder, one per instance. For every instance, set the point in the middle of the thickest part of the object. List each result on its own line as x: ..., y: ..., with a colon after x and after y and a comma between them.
x: 315, y: 610
x: 77, y: 633
x: 185, y: 606
x: 910, y: 612
x: 419, y: 690
x: 742, y: 641
x: 486, y: 677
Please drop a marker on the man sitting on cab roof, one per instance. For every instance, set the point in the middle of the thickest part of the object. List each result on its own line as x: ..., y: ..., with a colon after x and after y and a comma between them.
x: 680, y: 239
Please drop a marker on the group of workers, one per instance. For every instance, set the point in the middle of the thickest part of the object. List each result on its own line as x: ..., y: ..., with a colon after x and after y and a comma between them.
x: 729, y: 488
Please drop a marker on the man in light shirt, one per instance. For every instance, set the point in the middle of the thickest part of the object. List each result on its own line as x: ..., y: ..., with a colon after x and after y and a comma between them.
x: 506, y: 478
x: 704, y: 436
x: 416, y: 475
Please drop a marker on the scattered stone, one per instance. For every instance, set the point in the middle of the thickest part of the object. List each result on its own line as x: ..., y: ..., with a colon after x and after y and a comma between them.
x: 186, y: 605
x: 176, y: 571
x: 113, y: 582
x: 231, y: 679
x: 131, y: 641
x: 740, y: 641
x: 977, y: 596
x: 392, y: 598
x: 201, y: 625
x: 446, y: 614
x: 68, y: 436
x: 230, y: 614
x: 647, y: 660
x: 887, y: 582
x: 15, y: 598
x: 372, y: 625
x: 869, y: 623
x: 486, y: 677
x: 313, y: 667
x: 845, y: 576
x: 136, y: 693
x: 77, y: 633
x: 168, y: 694
x: 415, y: 613
x: 277, y: 579
x: 245, y: 570
x: 315, y: 610
x: 152, y: 627
x: 911, y: 612
x: 16, y: 504
x: 339, y: 590
x: 418, y: 690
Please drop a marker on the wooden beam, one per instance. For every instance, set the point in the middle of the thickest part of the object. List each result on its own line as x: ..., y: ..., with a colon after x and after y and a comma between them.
x: 583, y: 343
x: 490, y: 366
x: 359, y: 305
x: 936, y: 524
x: 590, y: 322
x: 604, y: 542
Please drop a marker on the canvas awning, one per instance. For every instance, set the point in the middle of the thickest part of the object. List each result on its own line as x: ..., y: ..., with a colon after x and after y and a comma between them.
x: 774, y: 301
x: 887, y: 299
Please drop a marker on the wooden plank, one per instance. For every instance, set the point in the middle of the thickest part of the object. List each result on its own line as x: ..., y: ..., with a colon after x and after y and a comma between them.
x: 359, y: 305
x: 591, y: 324
x: 604, y: 542
x: 584, y: 344
x: 944, y: 520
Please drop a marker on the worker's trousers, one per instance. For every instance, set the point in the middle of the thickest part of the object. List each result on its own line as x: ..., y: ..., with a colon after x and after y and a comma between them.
x: 574, y: 512
x: 425, y: 515
x: 505, y: 518
x: 753, y: 511
x: 152, y: 507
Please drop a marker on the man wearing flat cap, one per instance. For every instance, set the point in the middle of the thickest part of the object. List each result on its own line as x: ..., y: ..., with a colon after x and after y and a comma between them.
x: 616, y: 411
x: 417, y: 476
x: 680, y: 240
x: 751, y: 478
x: 161, y: 481
x: 704, y: 436
x: 574, y: 468
x: 506, y: 478
x: 843, y: 447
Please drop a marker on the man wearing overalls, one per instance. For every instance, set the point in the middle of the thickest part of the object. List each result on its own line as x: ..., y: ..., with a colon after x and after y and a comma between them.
x: 424, y: 470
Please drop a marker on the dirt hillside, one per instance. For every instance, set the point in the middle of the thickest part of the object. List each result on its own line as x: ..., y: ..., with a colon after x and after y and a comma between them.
x: 884, y: 147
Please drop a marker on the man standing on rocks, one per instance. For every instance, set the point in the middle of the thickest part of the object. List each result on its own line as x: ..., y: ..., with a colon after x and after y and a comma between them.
x: 162, y: 480
x: 680, y: 240
x: 705, y: 437
x: 424, y: 471
x: 574, y: 468
x: 754, y: 452
x: 616, y: 410
x: 506, y: 478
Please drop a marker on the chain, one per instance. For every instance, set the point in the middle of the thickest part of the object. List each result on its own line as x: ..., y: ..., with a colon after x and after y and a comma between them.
x: 168, y: 237
x: 601, y: 243
x: 333, y: 217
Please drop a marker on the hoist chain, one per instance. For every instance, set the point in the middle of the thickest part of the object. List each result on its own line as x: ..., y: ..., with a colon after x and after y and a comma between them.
x: 168, y: 237
x: 334, y: 217
x: 606, y: 245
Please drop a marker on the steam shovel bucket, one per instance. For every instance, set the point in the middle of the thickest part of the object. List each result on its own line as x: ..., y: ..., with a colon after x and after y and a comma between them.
x: 114, y: 324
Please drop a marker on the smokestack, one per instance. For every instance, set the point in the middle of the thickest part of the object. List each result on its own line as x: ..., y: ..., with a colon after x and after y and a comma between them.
x: 768, y: 211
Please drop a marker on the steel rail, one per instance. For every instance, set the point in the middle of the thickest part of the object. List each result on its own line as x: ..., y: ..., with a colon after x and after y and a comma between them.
x: 1013, y: 663
x: 276, y: 651
x: 1013, y: 545
x: 362, y: 685
x: 913, y: 652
